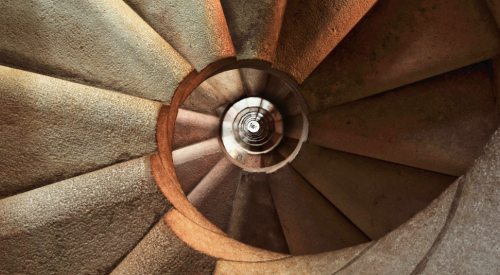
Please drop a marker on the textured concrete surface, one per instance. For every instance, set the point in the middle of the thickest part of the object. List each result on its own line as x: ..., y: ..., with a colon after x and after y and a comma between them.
x: 253, y: 161
x: 192, y: 163
x: 192, y: 127
x: 162, y: 252
x: 254, y: 81
x: 276, y: 90
x: 439, y: 124
x: 319, y: 264
x: 196, y: 29
x: 311, y: 29
x: 471, y: 244
x: 100, y: 42
x: 83, y: 225
x: 310, y: 222
x: 254, y: 27
x: 229, y: 84
x: 494, y: 7
x: 51, y: 129
x: 400, y: 251
x: 207, y: 100
x: 214, y: 195
x: 375, y: 195
x: 420, y: 39
x: 254, y: 219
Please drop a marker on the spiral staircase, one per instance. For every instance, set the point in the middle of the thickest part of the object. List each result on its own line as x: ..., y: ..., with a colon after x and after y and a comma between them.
x: 249, y: 137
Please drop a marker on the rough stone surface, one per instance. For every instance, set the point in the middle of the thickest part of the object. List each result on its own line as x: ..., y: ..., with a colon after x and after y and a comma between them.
x: 82, y: 225
x: 400, y: 251
x: 375, y: 195
x: 229, y: 84
x: 100, y: 42
x: 254, y: 219
x: 51, y: 129
x: 254, y: 27
x: 310, y: 222
x: 311, y: 29
x: 162, y: 252
x: 471, y: 244
x: 276, y: 90
x: 207, y: 100
x: 192, y: 127
x: 214, y: 195
x: 324, y: 263
x: 494, y: 6
x: 439, y: 124
x: 420, y: 39
x: 196, y: 29
x: 192, y: 163
x: 254, y: 81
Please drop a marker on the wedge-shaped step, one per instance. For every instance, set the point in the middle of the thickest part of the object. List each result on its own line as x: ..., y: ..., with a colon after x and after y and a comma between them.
x: 229, y: 84
x: 375, y: 195
x: 400, y: 251
x: 51, y: 129
x: 161, y: 252
x: 401, y: 42
x: 207, y: 100
x: 82, y: 225
x: 440, y: 124
x: 471, y: 241
x: 253, y: 161
x: 254, y: 27
x: 214, y: 195
x: 311, y: 29
x: 254, y: 220
x: 196, y: 29
x: 310, y: 222
x: 254, y: 81
x: 275, y: 90
x: 100, y: 42
x: 192, y: 163
x: 192, y: 127
x: 320, y: 264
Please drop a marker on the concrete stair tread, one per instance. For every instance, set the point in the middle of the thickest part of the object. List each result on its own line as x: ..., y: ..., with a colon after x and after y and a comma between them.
x: 310, y: 222
x: 254, y: 27
x: 207, y: 100
x: 254, y: 81
x: 420, y: 39
x: 254, y: 219
x: 375, y: 195
x: 54, y: 129
x: 100, y: 43
x: 196, y: 29
x: 440, y: 124
x: 90, y: 221
x: 311, y: 29
x: 229, y: 84
x: 193, y: 127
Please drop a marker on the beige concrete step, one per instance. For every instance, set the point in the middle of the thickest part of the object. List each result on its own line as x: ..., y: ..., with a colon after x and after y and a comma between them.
x: 207, y: 100
x: 229, y: 84
x: 311, y: 29
x: 254, y: 219
x: 192, y: 127
x: 375, y: 195
x: 53, y: 129
x: 254, y: 81
x: 253, y: 161
x: 103, y: 43
x: 319, y: 264
x: 254, y: 27
x: 214, y: 195
x: 161, y: 252
x: 439, y: 124
x: 420, y: 39
x: 196, y: 29
x: 193, y: 162
x: 310, y: 222
x: 83, y: 225
x: 275, y: 90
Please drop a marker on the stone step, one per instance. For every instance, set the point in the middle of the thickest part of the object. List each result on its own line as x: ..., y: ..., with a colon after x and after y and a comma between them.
x: 440, y: 124
x: 310, y: 222
x: 375, y: 195
x: 53, y: 129
x: 254, y: 219
x: 192, y: 127
x: 196, y: 29
x: 83, y: 225
x: 254, y: 81
x: 102, y: 43
x: 207, y: 100
x: 401, y: 42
